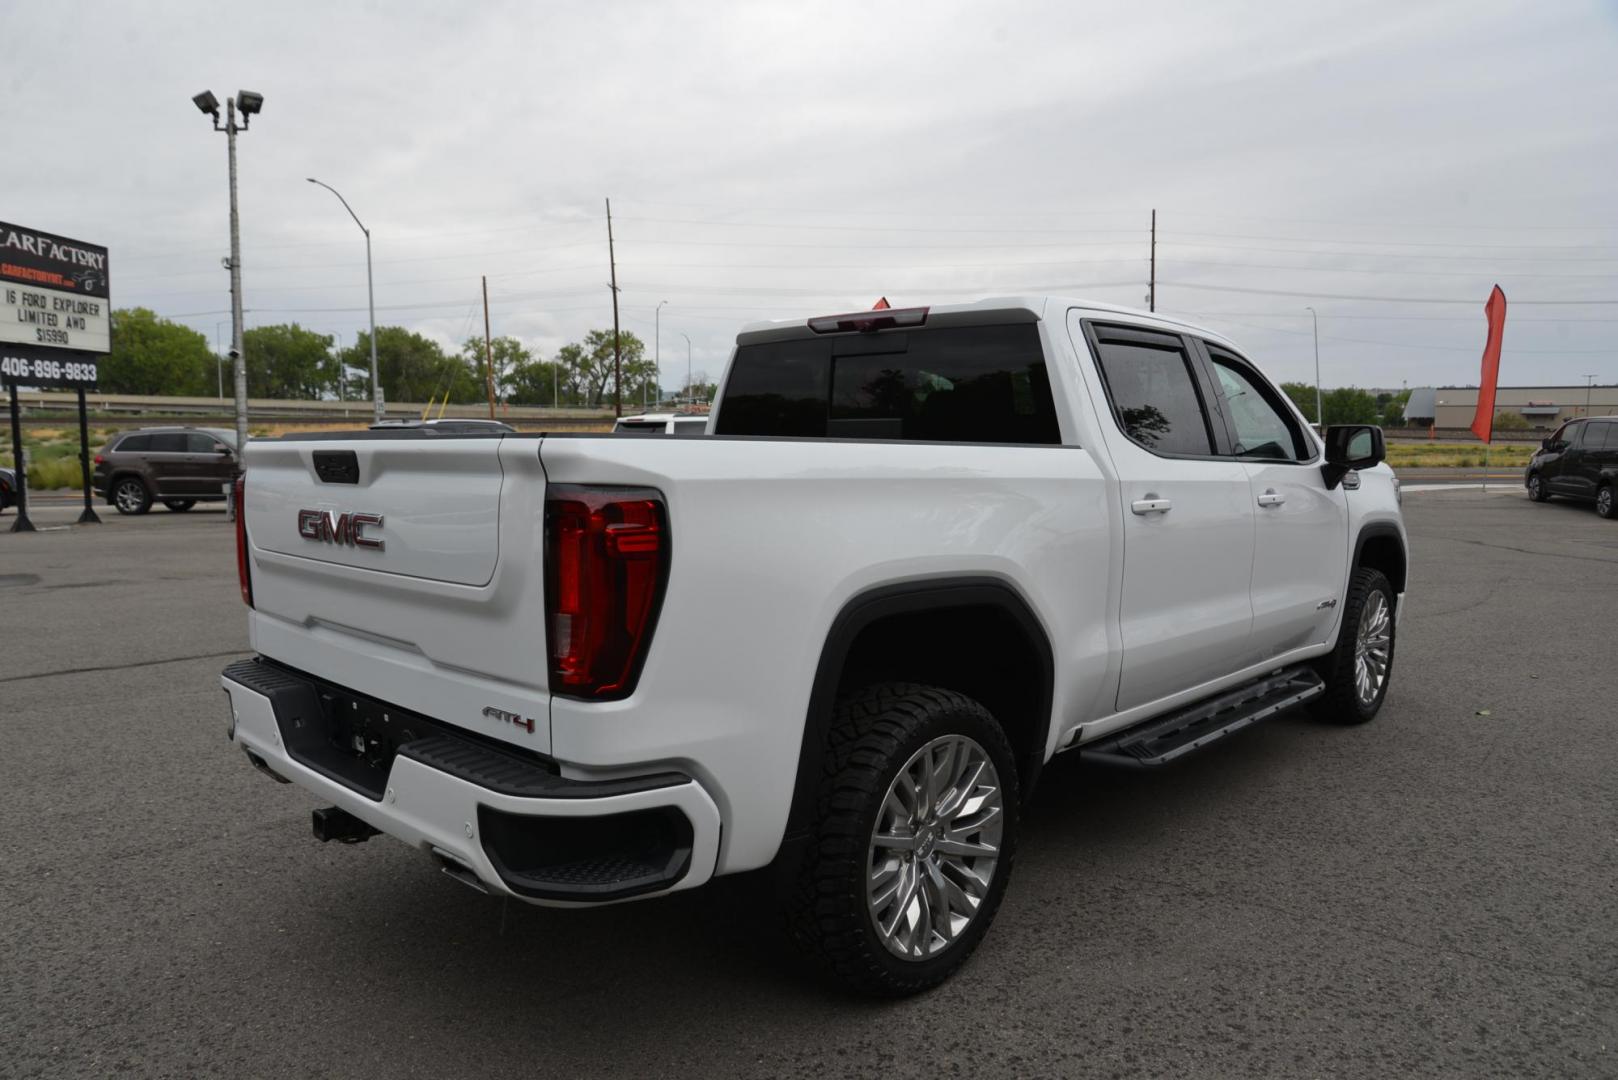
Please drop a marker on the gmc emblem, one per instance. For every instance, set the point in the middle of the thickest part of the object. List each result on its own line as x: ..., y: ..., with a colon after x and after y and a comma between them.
x: 339, y: 528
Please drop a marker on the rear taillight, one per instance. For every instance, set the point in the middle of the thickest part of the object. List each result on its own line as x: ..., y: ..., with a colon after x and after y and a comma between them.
x: 99, y: 459
x: 606, y: 563
x: 243, y: 574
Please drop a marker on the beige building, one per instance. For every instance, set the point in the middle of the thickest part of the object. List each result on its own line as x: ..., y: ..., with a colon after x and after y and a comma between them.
x: 1542, y: 406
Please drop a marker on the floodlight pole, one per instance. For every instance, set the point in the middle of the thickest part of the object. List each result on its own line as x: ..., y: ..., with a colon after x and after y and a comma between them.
x: 238, y: 358
x: 1320, y: 412
x: 370, y: 296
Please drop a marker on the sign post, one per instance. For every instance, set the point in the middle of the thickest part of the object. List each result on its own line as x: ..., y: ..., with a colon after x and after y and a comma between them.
x: 55, y: 319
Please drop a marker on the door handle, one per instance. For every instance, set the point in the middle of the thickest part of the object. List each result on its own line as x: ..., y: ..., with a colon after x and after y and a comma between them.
x: 1271, y: 498
x: 1151, y: 505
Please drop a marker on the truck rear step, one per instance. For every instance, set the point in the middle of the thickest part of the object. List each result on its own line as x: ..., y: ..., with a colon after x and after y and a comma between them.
x: 1164, y: 739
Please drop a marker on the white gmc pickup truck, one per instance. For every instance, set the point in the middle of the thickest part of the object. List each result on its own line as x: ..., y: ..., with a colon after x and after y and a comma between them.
x: 918, y: 553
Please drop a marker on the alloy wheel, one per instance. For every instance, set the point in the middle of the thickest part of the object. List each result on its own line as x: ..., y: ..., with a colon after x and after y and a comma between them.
x: 1373, y: 648
x: 130, y: 496
x: 935, y: 847
x: 1604, y: 502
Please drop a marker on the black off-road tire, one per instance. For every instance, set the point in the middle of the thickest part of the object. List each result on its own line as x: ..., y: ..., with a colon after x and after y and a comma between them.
x: 1536, y: 489
x: 874, y: 733
x: 1607, y: 502
x: 1341, y: 703
x: 179, y: 506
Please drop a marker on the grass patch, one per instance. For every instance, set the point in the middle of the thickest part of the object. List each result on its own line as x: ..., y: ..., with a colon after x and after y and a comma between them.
x: 1449, y: 455
x: 61, y: 473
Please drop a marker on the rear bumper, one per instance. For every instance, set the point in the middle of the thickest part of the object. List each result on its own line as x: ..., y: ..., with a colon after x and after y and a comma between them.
x: 515, y: 824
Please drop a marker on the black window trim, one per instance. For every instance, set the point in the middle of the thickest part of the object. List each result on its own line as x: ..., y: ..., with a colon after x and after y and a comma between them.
x: 1274, y: 393
x: 1097, y: 332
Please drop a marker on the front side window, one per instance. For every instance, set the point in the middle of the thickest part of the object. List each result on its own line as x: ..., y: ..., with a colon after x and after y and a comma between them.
x: 1154, y: 395
x: 198, y: 443
x: 1263, y: 429
x: 169, y: 442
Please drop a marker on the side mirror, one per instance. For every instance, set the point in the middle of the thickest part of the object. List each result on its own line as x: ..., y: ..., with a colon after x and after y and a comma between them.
x: 223, y: 449
x: 1547, y: 443
x: 1350, y: 447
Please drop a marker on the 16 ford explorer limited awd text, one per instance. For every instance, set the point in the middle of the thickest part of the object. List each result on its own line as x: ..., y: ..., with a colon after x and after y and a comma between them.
x: 918, y: 553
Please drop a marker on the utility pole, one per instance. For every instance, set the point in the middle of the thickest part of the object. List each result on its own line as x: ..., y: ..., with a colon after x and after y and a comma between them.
x: 689, y: 396
x: 1151, y: 287
x: 1589, y: 381
x: 488, y: 349
x: 617, y: 359
x: 1320, y: 414
x: 657, y: 347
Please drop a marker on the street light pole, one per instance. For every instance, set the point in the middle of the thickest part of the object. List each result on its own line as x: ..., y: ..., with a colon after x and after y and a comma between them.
x: 370, y: 295
x: 1320, y: 412
x: 657, y: 353
x: 238, y: 357
x: 249, y: 104
x: 689, y: 397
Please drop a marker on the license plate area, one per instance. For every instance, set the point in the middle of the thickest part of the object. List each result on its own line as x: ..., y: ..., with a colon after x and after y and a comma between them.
x: 359, y: 737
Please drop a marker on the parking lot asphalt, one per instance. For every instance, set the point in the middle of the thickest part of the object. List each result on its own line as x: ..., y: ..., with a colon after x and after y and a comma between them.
x: 1435, y: 894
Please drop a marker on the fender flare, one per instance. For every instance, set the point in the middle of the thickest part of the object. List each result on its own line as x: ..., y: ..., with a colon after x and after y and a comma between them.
x: 1377, y: 530
x: 905, y: 598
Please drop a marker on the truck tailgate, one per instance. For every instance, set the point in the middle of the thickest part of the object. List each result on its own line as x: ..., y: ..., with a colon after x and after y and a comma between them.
x: 435, y: 604
x: 439, y: 501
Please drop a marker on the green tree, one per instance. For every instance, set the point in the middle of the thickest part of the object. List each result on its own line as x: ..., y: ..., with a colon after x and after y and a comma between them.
x: 1350, y: 405
x: 509, y: 355
x: 594, y: 362
x: 287, y: 361
x: 151, y: 355
x: 411, y: 367
x: 538, y: 382
x: 1511, y: 421
x: 1303, y: 396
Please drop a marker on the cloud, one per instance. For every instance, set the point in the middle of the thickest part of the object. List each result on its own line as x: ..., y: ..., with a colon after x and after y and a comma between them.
x: 773, y: 160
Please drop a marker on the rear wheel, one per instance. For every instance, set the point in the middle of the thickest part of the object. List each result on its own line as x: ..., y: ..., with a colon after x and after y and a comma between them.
x: 1604, y: 502
x: 1357, y: 671
x: 913, y: 848
x: 130, y: 496
x: 1536, y: 489
x: 179, y: 506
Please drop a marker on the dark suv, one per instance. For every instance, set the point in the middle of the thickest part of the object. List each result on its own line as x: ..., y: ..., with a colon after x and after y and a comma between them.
x: 180, y: 466
x: 1581, y: 462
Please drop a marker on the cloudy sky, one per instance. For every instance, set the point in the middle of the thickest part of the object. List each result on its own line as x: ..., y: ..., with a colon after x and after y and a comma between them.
x: 1385, y: 163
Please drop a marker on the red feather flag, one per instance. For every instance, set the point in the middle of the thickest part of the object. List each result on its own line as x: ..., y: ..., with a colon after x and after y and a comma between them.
x: 881, y: 304
x: 1483, y: 421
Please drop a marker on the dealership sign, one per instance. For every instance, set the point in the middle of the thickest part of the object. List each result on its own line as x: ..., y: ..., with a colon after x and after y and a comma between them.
x: 54, y: 309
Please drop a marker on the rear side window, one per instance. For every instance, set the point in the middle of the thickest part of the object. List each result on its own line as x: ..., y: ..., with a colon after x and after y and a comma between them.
x: 134, y: 442
x: 1154, y: 396
x: 973, y: 384
x: 1601, y: 437
x: 690, y: 429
